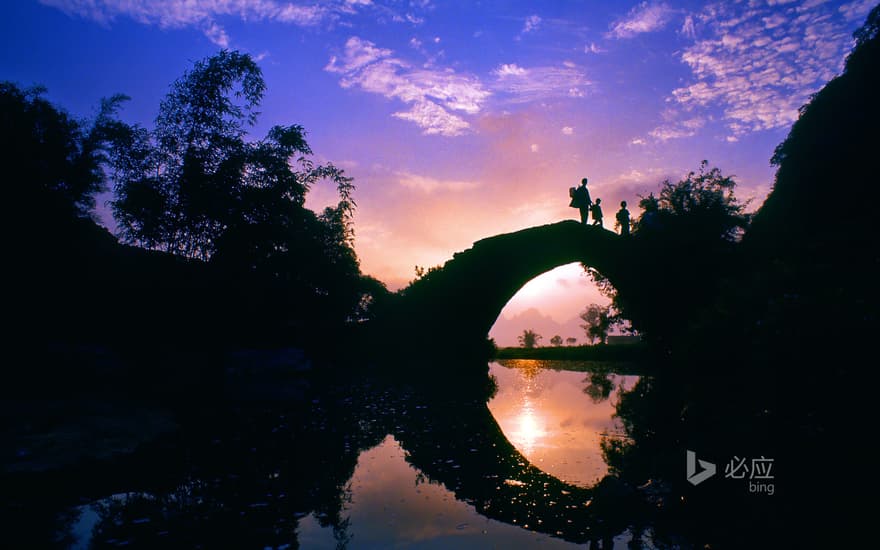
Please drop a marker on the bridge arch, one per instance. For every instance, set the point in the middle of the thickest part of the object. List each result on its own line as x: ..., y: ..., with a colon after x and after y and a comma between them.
x: 461, y: 301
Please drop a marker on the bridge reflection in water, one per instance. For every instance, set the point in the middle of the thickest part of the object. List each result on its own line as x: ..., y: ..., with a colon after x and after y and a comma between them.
x: 422, y: 487
x: 370, y: 461
x: 552, y: 421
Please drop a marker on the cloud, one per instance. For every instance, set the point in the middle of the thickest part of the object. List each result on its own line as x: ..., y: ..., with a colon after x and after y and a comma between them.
x: 534, y: 148
x: 509, y: 69
x: 205, y: 14
x: 532, y: 23
x: 438, y: 98
x: 304, y: 16
x: 433, y: 95
x: 522, y: 84
x: 217, y: 35
x: 427, y: 184
x: 183, y: 13
x: 567, y: 130
x: 645, y: 17
x: 688, y: 28
x: 677, y: 129
x: 593, y: 48
x: 757, y: 64
x: 434, y: 119
x: 856, y: 11
x: 358, y: 53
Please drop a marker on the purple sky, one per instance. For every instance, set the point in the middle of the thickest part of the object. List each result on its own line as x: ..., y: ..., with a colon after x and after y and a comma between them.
x: 461, y: 120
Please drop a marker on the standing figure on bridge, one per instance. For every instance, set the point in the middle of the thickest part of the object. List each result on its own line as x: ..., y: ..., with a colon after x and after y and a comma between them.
x: 623, y: 219
x: 580, y: 199
x: 596, y: 211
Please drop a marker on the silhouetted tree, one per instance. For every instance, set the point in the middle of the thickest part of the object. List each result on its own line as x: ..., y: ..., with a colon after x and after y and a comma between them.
x: 599, y: 385
x: 58, y: 258
x: 556, y: 340
x: 195, y: 187
x: 686, y: 239
x: 52, y: 160
x: 193, y: 184
x: 571, y: 341
x: 703, y: 200
x: 598, y: 321
x: 529, y: 339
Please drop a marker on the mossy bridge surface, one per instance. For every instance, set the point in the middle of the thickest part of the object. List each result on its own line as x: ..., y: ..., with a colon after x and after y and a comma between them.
x: 461, y: 301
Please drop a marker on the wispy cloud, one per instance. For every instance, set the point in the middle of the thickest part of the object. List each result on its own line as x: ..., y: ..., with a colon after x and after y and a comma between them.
x: 205, y: 14
x: 433, y: 95
x: 688, y: 28
x: 521, y: 84
x: 427, y: 184
x: 509, y: 69
x: 438, y: 99
x: 532, y: 23
x: 856, y: 11
x: 678, y: 129
x: 181, y: 13
x: 645, y: 17
x: 217, y: 35
x: 758, y: 64
x: 567, y: 130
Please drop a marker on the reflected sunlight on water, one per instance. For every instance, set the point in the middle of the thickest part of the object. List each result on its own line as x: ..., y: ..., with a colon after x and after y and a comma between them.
x: 551, y: 419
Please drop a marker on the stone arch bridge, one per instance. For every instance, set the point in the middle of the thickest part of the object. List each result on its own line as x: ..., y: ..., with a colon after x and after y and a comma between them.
x: 459, y: 302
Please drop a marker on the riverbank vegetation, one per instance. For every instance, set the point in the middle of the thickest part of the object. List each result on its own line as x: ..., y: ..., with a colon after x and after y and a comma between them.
x: 215, y: 250
x: 599, y: 352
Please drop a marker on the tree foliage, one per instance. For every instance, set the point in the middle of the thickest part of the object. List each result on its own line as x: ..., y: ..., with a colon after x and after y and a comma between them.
x: 194, y: 184
x: 598, y: 320
x: 529, y: 339
x: 556, y: 340
x: 826, y: 185
x: 703, y: 201
x: 53, y: 160
x: 684, y: 245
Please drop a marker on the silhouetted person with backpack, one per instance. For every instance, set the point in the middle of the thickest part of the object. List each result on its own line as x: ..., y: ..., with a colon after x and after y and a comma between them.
x: 596, y: 211
x: 580, y: 199
x: 623, y: 219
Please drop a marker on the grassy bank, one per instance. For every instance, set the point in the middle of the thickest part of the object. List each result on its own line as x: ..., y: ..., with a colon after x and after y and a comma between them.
x: 623, y: 352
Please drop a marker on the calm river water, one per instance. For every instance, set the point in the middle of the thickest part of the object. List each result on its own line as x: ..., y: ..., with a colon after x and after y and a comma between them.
x: 376, y: 467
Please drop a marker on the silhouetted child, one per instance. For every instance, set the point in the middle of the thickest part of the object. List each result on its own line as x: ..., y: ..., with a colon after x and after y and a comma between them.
x: 596, y: 212
x: 623, y: 218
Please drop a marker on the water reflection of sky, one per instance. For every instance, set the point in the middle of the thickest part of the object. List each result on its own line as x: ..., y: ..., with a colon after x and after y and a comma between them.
x: 551, y: 421
x: 394, y: 506
x: 545, y: 414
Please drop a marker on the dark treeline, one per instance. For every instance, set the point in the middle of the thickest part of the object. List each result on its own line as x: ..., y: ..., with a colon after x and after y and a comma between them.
x: 216, y: 248
x: 759, y: 325
x: 754, y: 326
x: 622, y: 352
